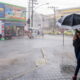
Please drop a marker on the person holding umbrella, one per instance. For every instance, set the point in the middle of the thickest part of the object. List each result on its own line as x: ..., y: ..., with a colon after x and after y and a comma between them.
x: 72, y: 21
x: 76, y: 44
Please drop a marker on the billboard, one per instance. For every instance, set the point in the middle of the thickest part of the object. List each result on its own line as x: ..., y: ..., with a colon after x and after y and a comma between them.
x: 2, y: 14
x: 14, y: 12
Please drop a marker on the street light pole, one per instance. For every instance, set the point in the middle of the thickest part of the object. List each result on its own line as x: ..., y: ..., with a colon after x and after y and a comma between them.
x: 42, y: 21
x: 31, y: 11
x: 54, y: 9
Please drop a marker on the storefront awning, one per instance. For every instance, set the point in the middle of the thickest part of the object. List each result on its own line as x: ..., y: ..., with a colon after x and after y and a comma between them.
x: 14, y: 24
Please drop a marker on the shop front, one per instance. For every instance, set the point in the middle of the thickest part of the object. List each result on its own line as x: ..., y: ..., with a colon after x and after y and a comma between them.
x: 12, y: 20
x: 14, y: 29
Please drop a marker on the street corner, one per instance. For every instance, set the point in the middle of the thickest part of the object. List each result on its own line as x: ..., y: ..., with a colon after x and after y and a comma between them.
x: 40, y: 62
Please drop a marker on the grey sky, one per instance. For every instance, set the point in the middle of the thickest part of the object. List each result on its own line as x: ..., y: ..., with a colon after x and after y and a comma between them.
x: 43, y: 9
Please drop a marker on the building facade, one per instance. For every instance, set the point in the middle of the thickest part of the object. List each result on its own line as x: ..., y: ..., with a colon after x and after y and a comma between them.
x: 12, y: 20
x: 67, y: 11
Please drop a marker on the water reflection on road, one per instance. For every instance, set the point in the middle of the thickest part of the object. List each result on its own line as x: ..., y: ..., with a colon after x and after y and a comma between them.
x: 24, y: 58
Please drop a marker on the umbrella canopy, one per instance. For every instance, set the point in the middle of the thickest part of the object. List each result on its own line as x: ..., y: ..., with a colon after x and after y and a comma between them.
x: 70, y: 21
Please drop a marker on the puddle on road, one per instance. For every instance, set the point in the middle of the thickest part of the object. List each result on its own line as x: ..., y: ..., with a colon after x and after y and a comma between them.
x: 69, y: 69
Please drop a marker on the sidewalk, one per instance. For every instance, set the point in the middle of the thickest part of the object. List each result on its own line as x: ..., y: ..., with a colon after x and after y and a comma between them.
x: 56, y: 68
x: 43, y: 59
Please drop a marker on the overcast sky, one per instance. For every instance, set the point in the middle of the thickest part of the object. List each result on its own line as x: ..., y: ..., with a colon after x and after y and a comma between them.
x: 44, y: 9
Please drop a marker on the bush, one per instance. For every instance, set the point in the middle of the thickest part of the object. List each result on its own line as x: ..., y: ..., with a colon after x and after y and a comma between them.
x: 68, y: 33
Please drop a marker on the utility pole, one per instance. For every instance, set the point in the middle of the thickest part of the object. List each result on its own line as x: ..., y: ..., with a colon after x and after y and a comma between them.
x: 54, y: 18
x: 32, y: 15
x: 29, y: 14
x: 43, y: 21
x: 31, y: 3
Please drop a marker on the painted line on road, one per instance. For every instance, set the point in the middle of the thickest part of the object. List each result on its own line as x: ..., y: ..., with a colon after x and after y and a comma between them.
x: 40, y: 62
x: 43, y: 60
x: 44, y: 54
x: 42, y: 51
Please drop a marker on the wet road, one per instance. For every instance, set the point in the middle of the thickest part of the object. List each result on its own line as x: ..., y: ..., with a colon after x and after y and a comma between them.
x: 37, y: 59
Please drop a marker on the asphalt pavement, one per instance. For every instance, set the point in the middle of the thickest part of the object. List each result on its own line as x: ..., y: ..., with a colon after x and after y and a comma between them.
x: 41, y: 58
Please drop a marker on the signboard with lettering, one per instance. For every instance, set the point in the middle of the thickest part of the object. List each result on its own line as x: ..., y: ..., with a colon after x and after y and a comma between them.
x: 13, y: 12
x: 2, y: 14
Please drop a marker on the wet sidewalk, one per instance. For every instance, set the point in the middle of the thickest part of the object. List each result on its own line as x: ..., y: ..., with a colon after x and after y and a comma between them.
x: 56, y: 67
x: 37, y: 59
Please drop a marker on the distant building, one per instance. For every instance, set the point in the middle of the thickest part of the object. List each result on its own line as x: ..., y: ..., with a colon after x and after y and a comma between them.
x: 12, y: 19
x: 63, y: 12
x: 41, y: 21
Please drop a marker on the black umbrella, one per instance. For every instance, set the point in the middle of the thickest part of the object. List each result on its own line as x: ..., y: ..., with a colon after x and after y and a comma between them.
x: 70, y: 21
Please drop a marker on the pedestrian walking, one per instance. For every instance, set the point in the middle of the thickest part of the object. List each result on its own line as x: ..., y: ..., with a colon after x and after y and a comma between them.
x: 72, y: 21
x: 0, y: 36
x: 76, y: 44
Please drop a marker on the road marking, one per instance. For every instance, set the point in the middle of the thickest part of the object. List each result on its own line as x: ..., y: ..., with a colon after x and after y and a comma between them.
x: 43, y: 53
x: 40, y: 62
x: 43, y: 60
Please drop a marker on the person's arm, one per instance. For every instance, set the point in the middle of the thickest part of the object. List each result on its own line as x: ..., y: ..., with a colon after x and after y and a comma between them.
x: 74, y: 37
x: 76, y: 41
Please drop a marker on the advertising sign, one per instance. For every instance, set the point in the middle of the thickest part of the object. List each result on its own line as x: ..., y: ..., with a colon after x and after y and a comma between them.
x: 1, y: 28
x: 14, y: 12
x: 2, y: 10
